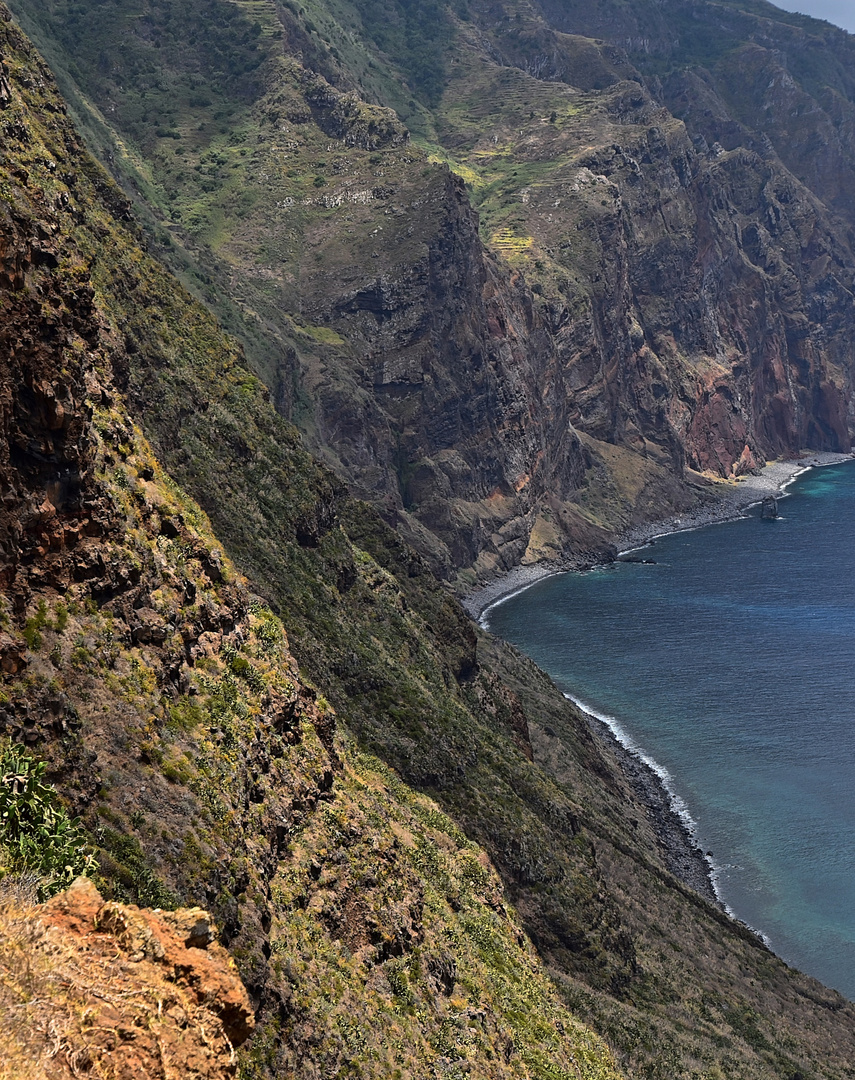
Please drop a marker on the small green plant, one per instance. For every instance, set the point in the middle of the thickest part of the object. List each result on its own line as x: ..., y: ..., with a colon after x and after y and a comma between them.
x: 240, y: 666
x: 269, y: 635
x: 80, y: 656
x: 255, y: 680
x: 34, y: 626
x: 61, y: 618
x: 36, y: 833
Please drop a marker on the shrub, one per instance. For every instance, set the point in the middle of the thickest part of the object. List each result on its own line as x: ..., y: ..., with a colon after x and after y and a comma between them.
x: 31, y: 631
x: 61, y: 620
x: 36, y: 833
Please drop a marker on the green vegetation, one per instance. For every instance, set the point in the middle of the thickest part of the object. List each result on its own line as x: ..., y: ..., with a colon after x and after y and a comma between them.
x: 381, y: 872
x: 36, y: 834
x: 190, y: 63
x: 34, y: 626
x: 125, y: 873
x: 416, y: 35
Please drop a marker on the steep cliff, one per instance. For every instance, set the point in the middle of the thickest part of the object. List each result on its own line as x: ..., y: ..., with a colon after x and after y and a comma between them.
x: 418, y: 855
x: 164, y: 697
x: 694, y: 276
x: 657, y: 282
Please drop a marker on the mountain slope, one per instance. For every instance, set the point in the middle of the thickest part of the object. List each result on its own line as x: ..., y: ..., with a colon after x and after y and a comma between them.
x: 667, y: 279
x: 164, y: 695
x: 635, y: 305
x: 411, y: 827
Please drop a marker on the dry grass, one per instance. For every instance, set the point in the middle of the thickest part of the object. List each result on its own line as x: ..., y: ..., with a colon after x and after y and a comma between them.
x: 37, y: 1002
x: 75, y: 1000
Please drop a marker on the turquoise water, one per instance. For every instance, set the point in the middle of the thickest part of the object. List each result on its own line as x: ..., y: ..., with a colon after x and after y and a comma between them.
x: 730, y: 662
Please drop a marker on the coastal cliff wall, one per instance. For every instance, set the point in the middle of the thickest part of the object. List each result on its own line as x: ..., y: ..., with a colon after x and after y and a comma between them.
x: 638, y: 284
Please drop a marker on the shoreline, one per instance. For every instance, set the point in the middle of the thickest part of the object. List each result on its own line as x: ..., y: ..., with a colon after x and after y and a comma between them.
x: 682, y: 855
x: 774, y: 479
x: 673, y: 826
x: 730, y: 503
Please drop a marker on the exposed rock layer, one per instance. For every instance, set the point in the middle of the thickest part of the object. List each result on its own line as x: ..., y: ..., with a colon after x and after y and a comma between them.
x: 108, y: 988
x: 673, y: 286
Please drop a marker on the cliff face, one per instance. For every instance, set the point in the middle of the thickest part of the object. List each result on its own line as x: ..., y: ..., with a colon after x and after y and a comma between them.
x: 51, y: 503
x: 657, y: 282
x: 696, y: 270
x: 757, y: 261
x: 728, y: 264
x: 461, y: 393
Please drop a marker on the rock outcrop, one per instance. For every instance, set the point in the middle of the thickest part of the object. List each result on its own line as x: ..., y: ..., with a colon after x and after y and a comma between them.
x: 107, y: 988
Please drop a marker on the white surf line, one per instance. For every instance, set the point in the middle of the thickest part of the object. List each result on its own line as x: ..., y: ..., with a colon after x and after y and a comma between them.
x: 677, y: 803
x: 483, y: 620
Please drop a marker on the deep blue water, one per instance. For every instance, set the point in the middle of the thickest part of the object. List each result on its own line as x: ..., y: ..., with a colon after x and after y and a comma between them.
x: 730, y: 662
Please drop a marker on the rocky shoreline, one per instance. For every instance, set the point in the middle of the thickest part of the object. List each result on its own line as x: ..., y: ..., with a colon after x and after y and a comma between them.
x: 733, y: 498
x: 682, y: 855
x: 680, y: 851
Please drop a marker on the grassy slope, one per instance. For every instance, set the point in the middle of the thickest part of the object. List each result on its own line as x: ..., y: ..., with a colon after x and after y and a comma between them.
x: 339, y: 889
x: 205, y: 121
x: 676, y: 988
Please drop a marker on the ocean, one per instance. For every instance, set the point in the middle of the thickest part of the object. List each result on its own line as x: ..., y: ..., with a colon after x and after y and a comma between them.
x: 729, y: 664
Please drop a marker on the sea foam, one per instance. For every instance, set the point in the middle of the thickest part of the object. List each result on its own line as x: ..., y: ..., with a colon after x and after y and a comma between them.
x: 676, y: 802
